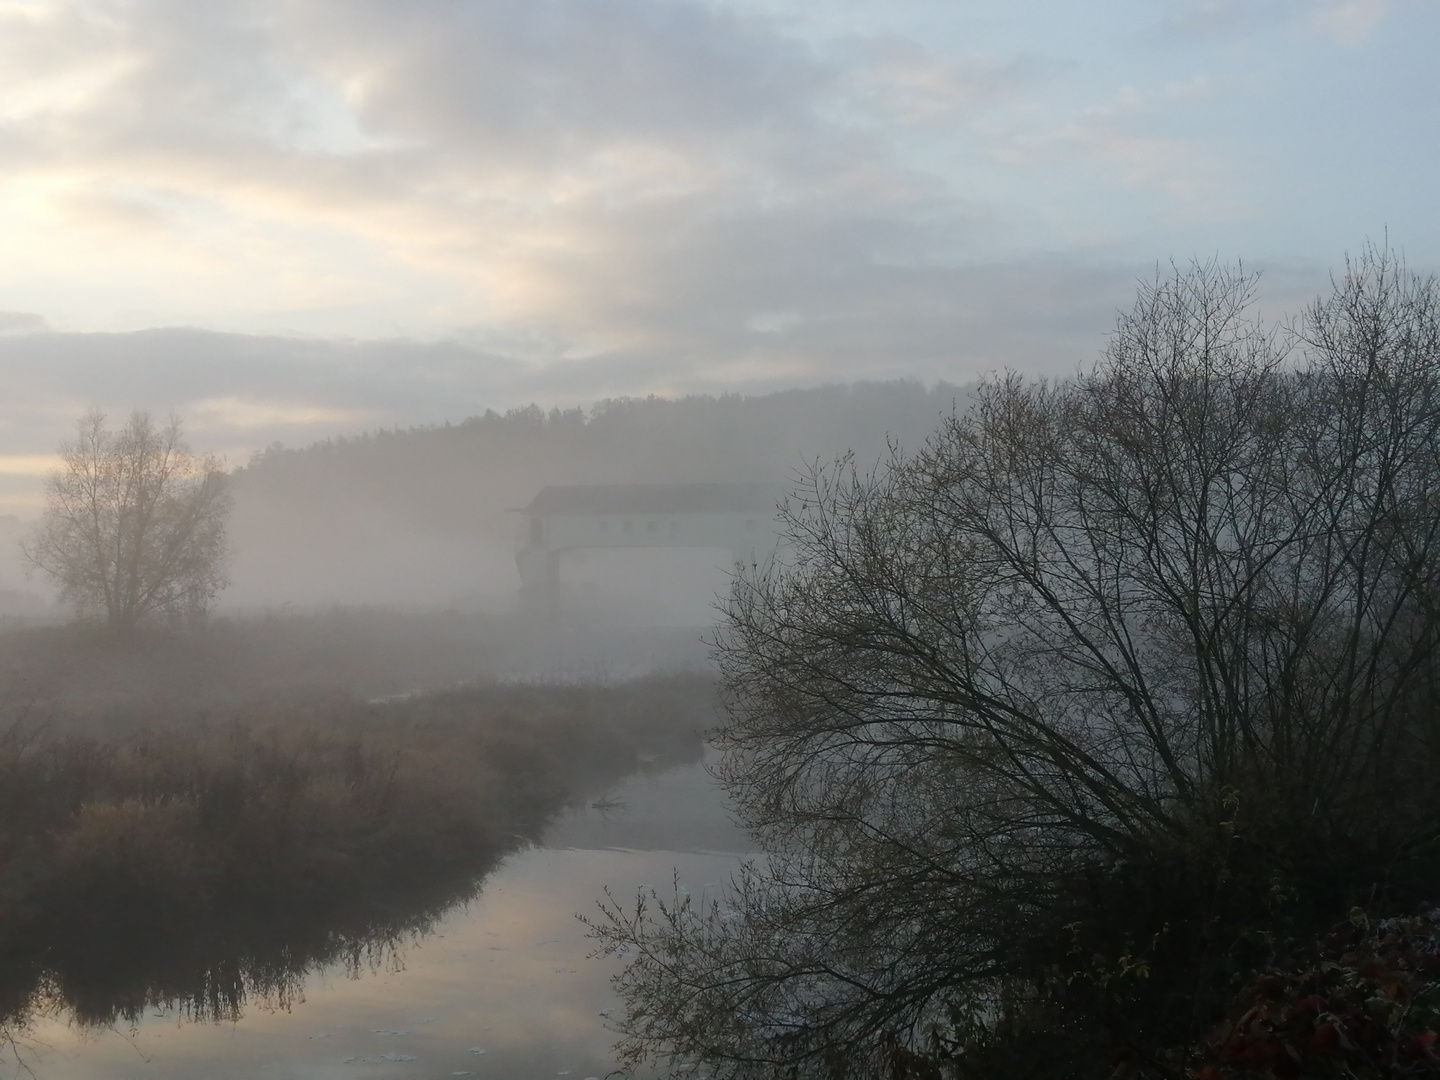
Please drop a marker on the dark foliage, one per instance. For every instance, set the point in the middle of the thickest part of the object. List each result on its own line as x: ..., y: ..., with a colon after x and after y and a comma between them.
x: 1056, y: 729
x: 1364, y: 1001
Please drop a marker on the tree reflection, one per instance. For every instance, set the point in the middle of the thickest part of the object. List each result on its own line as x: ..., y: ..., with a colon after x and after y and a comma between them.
x: 213, y: 970
x: 207, y: 872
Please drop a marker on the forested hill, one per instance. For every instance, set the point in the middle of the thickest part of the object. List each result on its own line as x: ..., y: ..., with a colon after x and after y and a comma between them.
x: 420, y: 514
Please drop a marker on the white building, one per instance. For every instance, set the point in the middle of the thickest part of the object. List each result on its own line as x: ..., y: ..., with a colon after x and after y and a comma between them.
x: 738, y: 518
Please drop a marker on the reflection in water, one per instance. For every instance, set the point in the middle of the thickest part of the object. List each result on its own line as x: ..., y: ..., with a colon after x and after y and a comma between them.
x: 211, y: 970
x: 505, y: 973
x: 205, y: 872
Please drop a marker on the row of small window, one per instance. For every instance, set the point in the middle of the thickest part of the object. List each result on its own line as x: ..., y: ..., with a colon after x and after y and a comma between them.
x: 627, y: 525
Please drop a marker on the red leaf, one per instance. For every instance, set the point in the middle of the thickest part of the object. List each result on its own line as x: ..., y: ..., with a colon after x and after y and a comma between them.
x: 1324, y: 1039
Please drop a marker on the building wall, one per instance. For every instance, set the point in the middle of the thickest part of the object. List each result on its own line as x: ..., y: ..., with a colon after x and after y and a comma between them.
x: 749, y: 537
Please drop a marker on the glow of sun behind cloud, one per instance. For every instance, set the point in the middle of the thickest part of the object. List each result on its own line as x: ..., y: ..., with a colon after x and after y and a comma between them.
x: 400, y: 211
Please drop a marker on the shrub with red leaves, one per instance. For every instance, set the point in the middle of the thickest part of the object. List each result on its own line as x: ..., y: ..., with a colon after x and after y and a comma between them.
x: 1365, y: 1003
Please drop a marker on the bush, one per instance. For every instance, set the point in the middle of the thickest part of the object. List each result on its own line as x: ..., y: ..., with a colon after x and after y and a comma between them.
x: 1054, y: 729
x: 1363, y: 1001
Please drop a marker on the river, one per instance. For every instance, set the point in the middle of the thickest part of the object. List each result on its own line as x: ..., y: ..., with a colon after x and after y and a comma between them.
x: 502, y: 986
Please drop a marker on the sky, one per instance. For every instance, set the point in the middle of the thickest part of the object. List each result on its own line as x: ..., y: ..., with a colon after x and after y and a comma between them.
x: 288, y: 219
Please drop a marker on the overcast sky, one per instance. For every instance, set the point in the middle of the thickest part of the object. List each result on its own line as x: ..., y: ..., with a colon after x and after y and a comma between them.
x: 289, y: 218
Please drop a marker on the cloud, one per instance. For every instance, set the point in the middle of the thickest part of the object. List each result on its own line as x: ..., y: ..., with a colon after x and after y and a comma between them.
x: 1180, y: 167
x: 912, y: 85
x: 527, y: 80
x: 1348, y: 22
x: 1197, y: 88
x: 768, y: 328
x: 589, y: 178
x: 608, y: 177
x: 29, y: 464
x: 238, y: 413
x: 256, y: 159
x: 22, y: 322
x: 406, y: 211
x: 1191, y: 19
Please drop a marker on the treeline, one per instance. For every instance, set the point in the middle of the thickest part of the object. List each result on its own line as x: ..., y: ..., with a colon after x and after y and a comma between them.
x: 731, y: 437
x: 200, y: 866
x: 421, y: 513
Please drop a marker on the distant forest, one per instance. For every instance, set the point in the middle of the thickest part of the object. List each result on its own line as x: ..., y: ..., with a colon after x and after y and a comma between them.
x: 421, y: 514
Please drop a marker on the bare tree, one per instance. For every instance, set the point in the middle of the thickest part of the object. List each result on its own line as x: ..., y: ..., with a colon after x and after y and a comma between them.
x: 1045, y: 729
x: 134, y: 523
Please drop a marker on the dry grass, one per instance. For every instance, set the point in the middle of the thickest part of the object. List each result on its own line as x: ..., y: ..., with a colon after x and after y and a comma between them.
x: 208, y: 864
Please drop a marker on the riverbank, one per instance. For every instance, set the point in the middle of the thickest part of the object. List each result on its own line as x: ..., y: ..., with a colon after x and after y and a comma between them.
x: 509, y: 971
x: 205, y: 865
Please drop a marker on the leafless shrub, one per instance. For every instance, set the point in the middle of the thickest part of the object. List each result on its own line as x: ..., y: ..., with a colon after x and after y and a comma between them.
x: 1045, y: 728
x: 134, y: 523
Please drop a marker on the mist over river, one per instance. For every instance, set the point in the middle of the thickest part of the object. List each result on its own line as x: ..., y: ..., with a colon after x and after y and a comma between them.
x: 500, y: 986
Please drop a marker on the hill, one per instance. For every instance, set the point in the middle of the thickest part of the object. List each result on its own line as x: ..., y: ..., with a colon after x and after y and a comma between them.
x: 419, y: 517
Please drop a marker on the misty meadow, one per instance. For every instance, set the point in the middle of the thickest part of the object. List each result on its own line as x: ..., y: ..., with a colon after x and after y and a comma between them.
x: 719, y: 540
x: 1094, y: 730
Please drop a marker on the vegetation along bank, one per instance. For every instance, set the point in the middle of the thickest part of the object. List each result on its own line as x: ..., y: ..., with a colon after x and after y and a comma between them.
x: 210, y: 864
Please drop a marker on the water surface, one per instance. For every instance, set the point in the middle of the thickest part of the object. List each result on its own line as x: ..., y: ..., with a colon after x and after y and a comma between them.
x: 501, y: 987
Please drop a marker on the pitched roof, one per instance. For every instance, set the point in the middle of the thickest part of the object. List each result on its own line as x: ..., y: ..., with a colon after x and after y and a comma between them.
x: 652, y: 499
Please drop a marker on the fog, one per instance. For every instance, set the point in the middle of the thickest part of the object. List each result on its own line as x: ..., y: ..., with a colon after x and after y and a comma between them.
x: 381, y: 750
x: 506, y: 325
x: 19, y: 596
x: 427, y: 518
